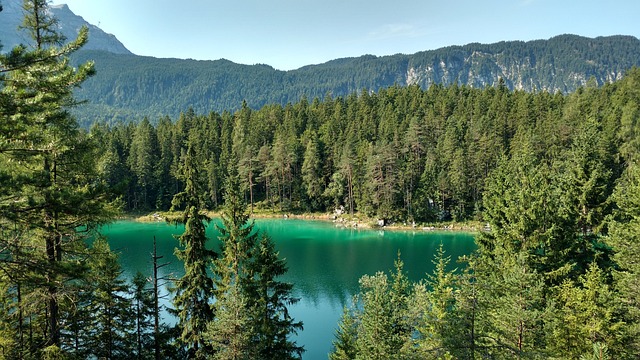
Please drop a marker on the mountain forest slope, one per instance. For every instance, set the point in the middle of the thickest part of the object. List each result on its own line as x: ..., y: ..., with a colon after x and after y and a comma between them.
x: 128, y: 87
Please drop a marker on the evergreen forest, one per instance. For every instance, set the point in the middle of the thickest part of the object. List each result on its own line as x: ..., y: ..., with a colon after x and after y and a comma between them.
x: 555, y: 177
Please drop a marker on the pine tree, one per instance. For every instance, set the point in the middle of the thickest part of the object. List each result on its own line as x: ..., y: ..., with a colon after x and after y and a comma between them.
x: 344, y: 344
x: 381, y: 187
x: 230, y: 333
x: 434, y: 301
x: 375, y: 320
x: 47, y: 162
x: 624, y: 237
x: 525, y: 206
x: 469, y: 314
x: 413, y: 151
x: 252, y: 318
x: 311, y: 172
x: 585, y: 316
x: 517, y: 310
x: 247, y: 168
x: 589, y: 172
x: 381, y: 326
x: 166, y: 181
x: 110, y: 306
x: 143, y: 158
x: 244, y: 151
x: 194, y: 290
x: 270, y: 300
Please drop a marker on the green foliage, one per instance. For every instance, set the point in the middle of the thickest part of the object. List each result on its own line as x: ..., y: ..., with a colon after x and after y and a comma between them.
x: 344, y: 344
x: 50, y: 185
x: 586, y: 316
x: 53, y: 353
x: 143, y: 157
x: 434, y: 301
x: 554, y: 176
x: 555, y: 274
x: 379, y: 326
x: 312, y: 172
x: 624, y: 238
x: 194, y: 290
x: 251, y: 309
x: 516, y: 313
x: 143, y: 310
x: 271, y: 299
x: 230, y: 333
x: 600, y: 352
x: 403, y: 154
x: 108, y: 334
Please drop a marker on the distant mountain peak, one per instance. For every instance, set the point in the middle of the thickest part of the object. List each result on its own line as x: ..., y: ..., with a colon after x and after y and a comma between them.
x: 70, y: 24
x: 59, y: 6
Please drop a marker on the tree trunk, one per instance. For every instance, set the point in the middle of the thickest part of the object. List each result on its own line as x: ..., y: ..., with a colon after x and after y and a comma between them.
x: 156, y: 307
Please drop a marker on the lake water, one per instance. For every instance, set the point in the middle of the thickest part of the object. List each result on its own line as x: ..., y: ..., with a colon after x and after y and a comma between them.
x: 325, y: 262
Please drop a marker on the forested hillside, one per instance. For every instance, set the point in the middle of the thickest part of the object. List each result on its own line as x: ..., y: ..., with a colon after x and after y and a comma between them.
x: 402, y: 153
x: 128, y: 87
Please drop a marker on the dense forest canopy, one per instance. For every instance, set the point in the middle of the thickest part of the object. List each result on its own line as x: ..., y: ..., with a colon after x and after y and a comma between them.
x: 402, y: 153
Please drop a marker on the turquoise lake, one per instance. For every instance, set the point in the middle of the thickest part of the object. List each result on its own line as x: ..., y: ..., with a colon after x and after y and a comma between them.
x: 325, y: 262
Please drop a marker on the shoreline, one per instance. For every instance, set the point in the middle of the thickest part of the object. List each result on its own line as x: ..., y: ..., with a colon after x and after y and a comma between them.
x: 339, y: 221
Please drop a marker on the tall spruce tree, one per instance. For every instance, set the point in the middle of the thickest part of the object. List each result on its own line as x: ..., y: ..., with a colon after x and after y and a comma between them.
x: 585, y: 315
x: 110, y: 306
x: 194, y: 290
x: 311, y: 172
x: 434, y: 300
x: 231, y: 333
x: 270, y: 299
x: 143, y: 160
x: 625, y: 238
x: 47, y: 163
x: 252, y: 318
x: 344, y: 344
x: 469, y: 313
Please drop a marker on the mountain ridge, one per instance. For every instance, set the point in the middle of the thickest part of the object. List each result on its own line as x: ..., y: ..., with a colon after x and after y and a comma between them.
x: 129, y: 87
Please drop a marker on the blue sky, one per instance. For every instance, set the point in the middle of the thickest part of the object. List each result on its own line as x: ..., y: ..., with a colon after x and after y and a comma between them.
x: 288, y: 34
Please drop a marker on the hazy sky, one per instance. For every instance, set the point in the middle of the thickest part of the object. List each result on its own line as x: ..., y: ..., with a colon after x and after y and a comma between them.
x: 288, y: 34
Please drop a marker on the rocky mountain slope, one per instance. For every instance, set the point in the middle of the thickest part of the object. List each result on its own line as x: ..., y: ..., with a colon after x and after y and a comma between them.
x: 129, y: 86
